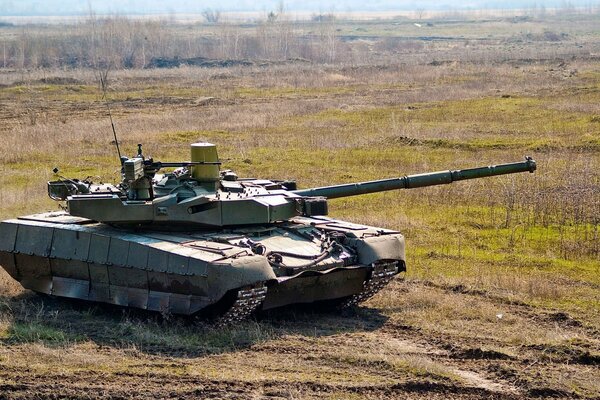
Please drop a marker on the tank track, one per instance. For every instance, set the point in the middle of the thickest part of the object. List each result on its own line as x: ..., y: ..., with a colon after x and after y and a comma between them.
x: 248, y: 301
x: 381, y: 275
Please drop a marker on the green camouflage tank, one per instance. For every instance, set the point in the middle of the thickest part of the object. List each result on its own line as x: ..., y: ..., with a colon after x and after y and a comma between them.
x: 200, y: 238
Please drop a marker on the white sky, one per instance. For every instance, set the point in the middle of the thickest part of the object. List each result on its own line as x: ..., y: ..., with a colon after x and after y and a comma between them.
x: 82, y: 7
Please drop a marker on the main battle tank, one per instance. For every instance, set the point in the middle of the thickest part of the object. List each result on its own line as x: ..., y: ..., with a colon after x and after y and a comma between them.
x: 200, y: 239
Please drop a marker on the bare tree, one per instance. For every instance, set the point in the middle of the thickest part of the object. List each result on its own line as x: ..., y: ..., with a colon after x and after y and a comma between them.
x: 327, y: 36
x: 211, y: 16
x: 420, y: 13
x: 229, y: 41
x: 284, y: 32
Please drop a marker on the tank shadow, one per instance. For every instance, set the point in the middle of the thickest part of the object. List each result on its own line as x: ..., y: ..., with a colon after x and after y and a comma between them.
x: 62, y: 323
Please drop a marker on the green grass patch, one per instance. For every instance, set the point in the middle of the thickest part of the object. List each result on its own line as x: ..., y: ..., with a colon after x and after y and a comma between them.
x: 188, y: 137
x: 293, y: 92
x: 4, y: 332
x: 530, y: 123
x: 29, y: 332
x: 199, y: 339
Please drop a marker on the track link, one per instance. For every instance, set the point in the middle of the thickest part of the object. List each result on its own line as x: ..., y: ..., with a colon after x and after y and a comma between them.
x: 248, y: 301
x: 381, y: 275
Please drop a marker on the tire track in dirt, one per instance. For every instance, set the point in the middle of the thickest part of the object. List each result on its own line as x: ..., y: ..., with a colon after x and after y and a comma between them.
x: 86, y: 386
x: 441, y: 356
x: 471, y: 359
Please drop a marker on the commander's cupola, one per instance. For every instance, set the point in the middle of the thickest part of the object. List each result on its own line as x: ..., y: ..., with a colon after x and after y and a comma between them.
x: 200, y: 176
x: 207, y: 171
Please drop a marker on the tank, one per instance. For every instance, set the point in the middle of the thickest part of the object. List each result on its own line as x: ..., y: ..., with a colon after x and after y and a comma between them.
x: 201, y: 240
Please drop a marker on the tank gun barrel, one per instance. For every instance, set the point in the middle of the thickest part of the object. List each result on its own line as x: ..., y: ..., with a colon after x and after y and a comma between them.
x: 418, y: 180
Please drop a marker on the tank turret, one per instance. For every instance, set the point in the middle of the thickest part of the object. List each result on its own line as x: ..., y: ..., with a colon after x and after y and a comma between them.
x: 199, y: 194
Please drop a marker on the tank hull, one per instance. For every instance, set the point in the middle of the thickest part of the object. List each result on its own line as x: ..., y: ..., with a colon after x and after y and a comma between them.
x: 186, y: 272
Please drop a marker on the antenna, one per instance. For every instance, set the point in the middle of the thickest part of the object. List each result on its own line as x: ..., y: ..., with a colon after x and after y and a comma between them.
x: 103, y: 83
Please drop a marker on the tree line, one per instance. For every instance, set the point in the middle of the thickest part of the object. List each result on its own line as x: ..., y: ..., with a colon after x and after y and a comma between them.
x: 121, y: 42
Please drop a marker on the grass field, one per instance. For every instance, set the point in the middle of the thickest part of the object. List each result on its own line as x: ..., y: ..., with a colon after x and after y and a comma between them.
x: 502, y: 294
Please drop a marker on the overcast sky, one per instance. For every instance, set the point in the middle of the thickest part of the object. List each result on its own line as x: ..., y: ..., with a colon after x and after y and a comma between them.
x: 82, y: 7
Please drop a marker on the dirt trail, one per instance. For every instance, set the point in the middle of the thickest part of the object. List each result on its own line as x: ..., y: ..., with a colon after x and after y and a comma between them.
x: 476, y: 380
x: 443, y: 358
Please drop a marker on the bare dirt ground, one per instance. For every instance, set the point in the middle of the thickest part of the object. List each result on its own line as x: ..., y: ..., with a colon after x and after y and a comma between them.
x: 381, y: 350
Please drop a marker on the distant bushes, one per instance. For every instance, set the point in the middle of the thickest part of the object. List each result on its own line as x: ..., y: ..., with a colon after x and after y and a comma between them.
x: 119, y: 42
